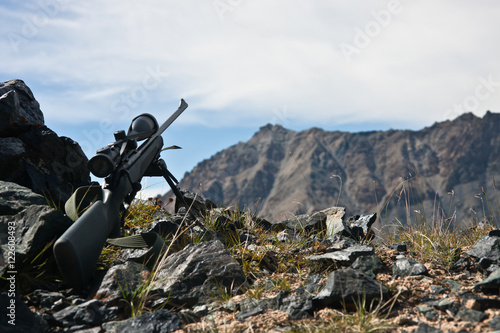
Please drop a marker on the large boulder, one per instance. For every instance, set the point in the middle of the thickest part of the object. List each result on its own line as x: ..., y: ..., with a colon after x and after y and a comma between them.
x: 199, y: 272
x: 27, y: 225
x: 31, y: 154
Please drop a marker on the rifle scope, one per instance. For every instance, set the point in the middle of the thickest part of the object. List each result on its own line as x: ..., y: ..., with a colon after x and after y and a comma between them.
x: 107, y: 159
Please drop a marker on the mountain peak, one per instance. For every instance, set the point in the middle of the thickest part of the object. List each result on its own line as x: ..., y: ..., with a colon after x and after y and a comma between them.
x: 290, y: 172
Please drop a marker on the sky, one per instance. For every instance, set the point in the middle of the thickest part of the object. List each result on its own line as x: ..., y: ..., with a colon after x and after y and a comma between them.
x: 239, y: 64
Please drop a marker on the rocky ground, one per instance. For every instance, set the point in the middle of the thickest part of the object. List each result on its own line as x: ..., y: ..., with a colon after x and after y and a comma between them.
x: 228, y: 271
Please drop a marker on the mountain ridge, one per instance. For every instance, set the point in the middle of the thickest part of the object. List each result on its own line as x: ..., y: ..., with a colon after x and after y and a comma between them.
x: 280, y: 172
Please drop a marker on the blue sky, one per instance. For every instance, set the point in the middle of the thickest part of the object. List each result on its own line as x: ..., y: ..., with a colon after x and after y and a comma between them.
x: 240, y: 64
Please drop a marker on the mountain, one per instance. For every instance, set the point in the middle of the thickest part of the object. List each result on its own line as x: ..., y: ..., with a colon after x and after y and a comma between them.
x: 447, y: 169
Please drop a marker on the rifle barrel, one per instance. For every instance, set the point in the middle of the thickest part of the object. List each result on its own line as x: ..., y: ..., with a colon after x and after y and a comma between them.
x: 174, y: 116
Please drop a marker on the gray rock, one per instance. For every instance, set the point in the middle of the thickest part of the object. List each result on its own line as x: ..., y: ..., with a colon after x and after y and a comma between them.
x: 335, y: 224
x: 11, y: 149
x: 368, y: 264
x: 298, y: 306
x: 339, y: 242
x: 360, y: 226
x: 346, y: 255
x: 408, y: 266
x: 89, y: 314
x: 35, y: 227
x: 188, y: 316
x: 199, y: 271
x: 491, y: 284
x: 495, y: 323
x: 481, y: 303
x: 242, y: 315
x: 18, y: 106
x: 348, y: 286
x: 17, y: 318
x: 445, y: 304
x: 471, y: 315
x: 307, y: 222
x: 15, y: 198
x: 161, y: 321
x: 399, y: 246
x: 423, y: 308
x: 425, y: 328
x: 248, y: 304
x: 195, y: 201
x: 46, y: 299
x: 452, y: 284
x: 126, y: 278
x: 487, y: 247
x: 9, y: 109
x: 230, y: 306
x: 30, y: 153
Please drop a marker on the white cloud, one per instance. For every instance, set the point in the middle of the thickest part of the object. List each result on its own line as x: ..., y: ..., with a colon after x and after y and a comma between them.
x: 261, y: 57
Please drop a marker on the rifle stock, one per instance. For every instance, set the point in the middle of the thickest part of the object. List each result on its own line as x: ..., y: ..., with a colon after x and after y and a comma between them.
x: 78, y: 249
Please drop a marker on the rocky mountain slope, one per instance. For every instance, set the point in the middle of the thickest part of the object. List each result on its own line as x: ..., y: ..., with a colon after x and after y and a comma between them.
x: 439, y: 169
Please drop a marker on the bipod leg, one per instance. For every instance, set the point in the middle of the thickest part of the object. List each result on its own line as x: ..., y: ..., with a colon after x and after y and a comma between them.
x: 170, y: 181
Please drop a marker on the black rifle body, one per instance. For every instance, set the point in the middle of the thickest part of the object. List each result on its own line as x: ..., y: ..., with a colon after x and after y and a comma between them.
x: 78, y: 249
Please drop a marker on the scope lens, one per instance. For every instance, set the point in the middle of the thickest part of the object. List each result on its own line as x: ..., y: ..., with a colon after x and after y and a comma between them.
x: 100, y: 165
x: 143, y: 126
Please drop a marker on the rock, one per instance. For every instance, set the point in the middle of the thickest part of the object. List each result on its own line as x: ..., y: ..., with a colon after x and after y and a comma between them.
x: 424, y: 308
x: 471, y: 315
x: 476, y: 302
x: 121, y: 278
x: 369, y: 265
x: 399, y: 246
x: 495, y: 323
x: 164, y: 227
x: 425, y: 328
x: 300, y: 305
x: 89, y: 314
x: 491, y: 284
x: 242, y: 315
x: 334, y: 220
x: 161, y: 321
x: 195, y: 202
x: 189, y: 316
x: 34, y: 228
x: 12, y: 150
x: 407, y: 266
x: 46, y: 299
x: 349, y: 286
x: 494, y: 233
x: 307, y: 223
x: 30, y: 153
x: 463, y: 264
x: 18, y: 106
x: 199, y: 271
x: 348, y: 255
x: 15, y: 198
x: 357, y: 227
x: 487, y: 249
x: 360, y: 226
x: 9, y: 109
x: 339, y: 242
x: 17, y: 318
